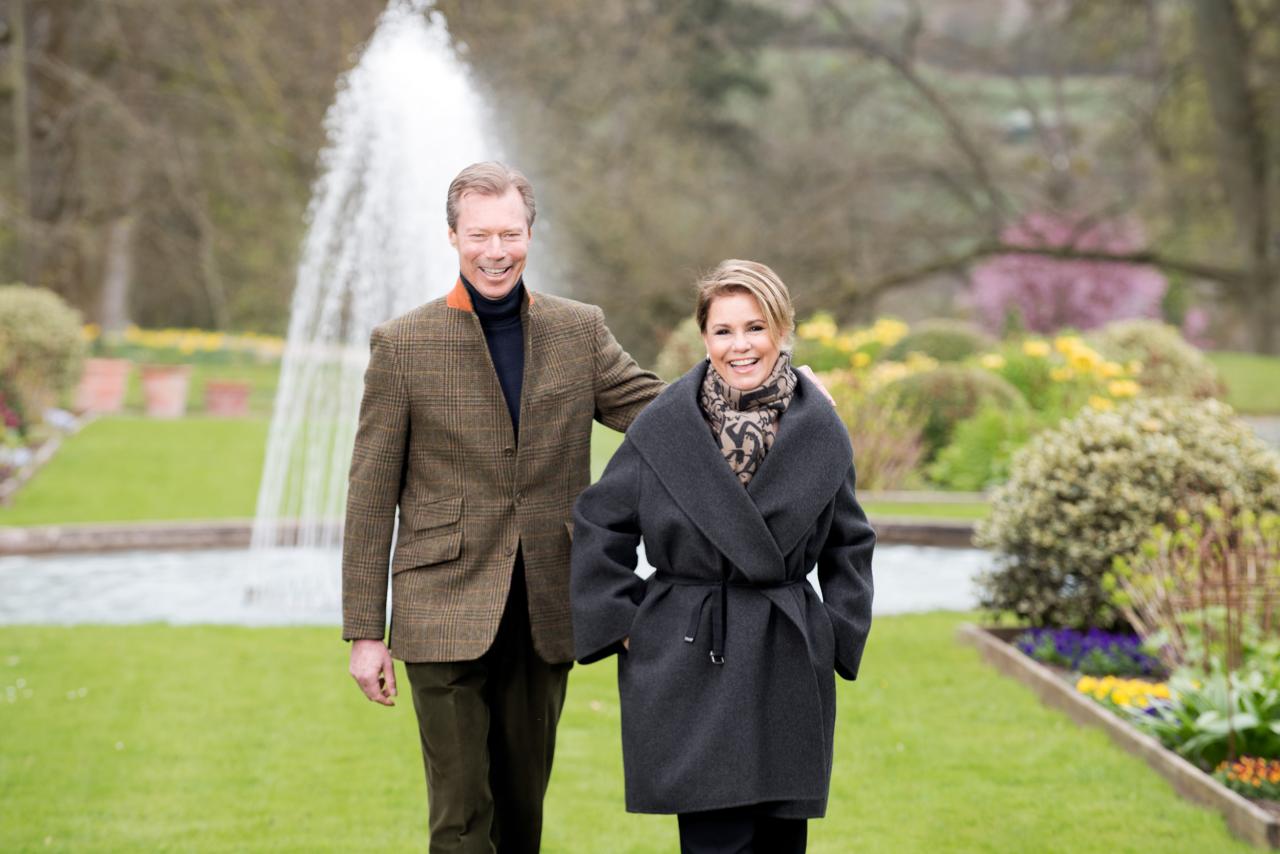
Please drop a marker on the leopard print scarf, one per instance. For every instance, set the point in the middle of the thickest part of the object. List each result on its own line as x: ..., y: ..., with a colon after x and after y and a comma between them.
x: 744, y: 423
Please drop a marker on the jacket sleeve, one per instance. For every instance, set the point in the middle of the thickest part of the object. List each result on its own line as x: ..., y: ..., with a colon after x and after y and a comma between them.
x: 377, y: 467
x: 844, y: 574
x: 622, y: 388
x: 605, y: 591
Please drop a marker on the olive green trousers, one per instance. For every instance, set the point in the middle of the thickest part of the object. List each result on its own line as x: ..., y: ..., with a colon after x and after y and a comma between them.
x: 488, y: 730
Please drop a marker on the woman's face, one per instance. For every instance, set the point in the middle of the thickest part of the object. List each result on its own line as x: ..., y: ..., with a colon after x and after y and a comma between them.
x: 738, y: 341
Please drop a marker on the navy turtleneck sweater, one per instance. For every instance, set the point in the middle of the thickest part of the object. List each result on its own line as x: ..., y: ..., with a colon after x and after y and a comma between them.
x: 504, y: 333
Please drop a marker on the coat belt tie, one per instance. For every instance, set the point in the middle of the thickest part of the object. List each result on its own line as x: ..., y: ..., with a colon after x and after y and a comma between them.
x: 719, y: 605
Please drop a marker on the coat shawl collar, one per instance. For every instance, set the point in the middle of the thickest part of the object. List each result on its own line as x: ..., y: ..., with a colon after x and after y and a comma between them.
x: 754, y: 527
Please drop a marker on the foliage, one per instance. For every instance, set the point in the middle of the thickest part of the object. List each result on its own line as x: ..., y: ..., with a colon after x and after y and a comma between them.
x: 1170, y: 366
x: 1117, y: 693
x: 1060, y: 375
x: 40, y: 339
x: 1251, y: 776
x: 1094, y: 653
x: 682, y: 350
x: 1206, y: 591
x: 886, y: 438
x: 942, y: 339
x: 1046, y: 294
x: 185, y: 346
x: 1092, y: 488
x: 946, y: 395
x: 981, y: 449
x: 822, y: 345
x: 1216, y: 717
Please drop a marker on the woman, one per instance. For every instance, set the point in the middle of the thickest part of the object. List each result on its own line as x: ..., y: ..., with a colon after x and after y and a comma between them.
x: 739, y: 478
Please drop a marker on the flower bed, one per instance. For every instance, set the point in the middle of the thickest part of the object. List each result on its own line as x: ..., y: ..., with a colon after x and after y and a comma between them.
x: 1256, y: 822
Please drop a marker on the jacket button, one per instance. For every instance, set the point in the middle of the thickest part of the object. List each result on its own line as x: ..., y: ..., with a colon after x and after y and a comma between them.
x: 508, y: 452
x: 511, y: 550
x: 519, y: 497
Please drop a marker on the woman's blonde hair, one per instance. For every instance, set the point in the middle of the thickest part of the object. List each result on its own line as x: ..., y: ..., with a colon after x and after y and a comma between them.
x: 750, y: 277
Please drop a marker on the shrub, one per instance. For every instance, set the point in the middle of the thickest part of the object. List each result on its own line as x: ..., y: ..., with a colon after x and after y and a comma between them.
x: 1093, y: 653
x: 942, y: 339
x: 946, y: 395
x: 981, y: 449
x: 41, y: 345
x: 823, y: 346
x: 1170, y: 366
x: 1043, y: 294
x: 1204, y: 592
x: 886, y: 439
x: 1091, y: 489
x: 683, y: 349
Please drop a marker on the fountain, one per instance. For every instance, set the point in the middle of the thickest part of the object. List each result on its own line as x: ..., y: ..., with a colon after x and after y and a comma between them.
x: 405, y: 120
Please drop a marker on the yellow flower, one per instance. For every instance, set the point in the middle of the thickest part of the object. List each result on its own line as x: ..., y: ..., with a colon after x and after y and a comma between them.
x: 1084, y: 360
x: 1086, y: 684
x: 1134, y: 367
x: 1068, y: 344
x: 992, y: 361
x: 844, y: 343
x: 1110, y: 370
x: 888, y: 331
x: 818, y: 327
x: 1101, y: 404
x: 1038, y: 349
x: 1123, y: 388
x: 90, y: 332
x: 861, y: 360
x: 1062, y: 374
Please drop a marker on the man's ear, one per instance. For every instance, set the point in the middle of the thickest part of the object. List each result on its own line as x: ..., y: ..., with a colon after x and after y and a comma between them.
x: 453, y: 238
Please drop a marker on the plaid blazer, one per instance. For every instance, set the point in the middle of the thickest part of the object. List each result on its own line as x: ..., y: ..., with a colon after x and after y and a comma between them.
x: 435, y: 440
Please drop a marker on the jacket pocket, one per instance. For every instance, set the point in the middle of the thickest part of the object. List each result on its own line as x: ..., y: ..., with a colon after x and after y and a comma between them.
x: 426, y: 551
x: 433, y: 514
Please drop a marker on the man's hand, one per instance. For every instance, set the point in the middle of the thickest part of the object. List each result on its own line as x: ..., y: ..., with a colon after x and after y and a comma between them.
x: 373, y: 670
x: 808, y: 372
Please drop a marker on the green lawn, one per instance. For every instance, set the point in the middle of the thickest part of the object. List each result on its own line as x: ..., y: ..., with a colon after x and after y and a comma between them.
x: 132, y: 469
x: 1253, y: 381
x: 149, y: 738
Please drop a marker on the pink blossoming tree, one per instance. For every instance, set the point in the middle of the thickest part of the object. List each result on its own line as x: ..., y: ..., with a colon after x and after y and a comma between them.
x: 1048, y: 294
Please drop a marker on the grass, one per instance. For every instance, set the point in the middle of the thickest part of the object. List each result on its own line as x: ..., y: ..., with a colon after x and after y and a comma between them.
x: 132, y: 469
x: 1253, y: 381
x: 220, y: 738
x: 135, y: 469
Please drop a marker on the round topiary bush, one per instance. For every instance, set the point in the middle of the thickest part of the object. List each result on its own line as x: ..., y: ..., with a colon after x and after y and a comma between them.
x: 683, y: 349
x: 1170, y: 366
x: 1092, y: 489
x: 41, y: 345
x: 941, y: 339
x: 946, y: 395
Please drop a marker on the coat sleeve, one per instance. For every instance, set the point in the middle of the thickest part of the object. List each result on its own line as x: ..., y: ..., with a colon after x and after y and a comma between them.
x: 622, y: 388
x: 605, y: 591
x: 844, y: 574
x: 377, y: 466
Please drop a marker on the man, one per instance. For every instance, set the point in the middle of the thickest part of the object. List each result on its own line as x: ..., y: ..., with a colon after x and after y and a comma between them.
x: 476, y: 425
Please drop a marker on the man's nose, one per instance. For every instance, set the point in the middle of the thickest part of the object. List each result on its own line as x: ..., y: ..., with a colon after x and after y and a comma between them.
x: 493, y: 248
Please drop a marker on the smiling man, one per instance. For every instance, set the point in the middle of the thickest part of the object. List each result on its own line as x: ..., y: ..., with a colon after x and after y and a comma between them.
x: 476, y: 427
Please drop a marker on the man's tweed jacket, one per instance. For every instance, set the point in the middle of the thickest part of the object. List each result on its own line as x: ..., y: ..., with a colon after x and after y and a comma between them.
x: 436, y: 440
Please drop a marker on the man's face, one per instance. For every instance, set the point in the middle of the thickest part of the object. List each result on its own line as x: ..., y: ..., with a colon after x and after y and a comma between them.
x: 492, y: 239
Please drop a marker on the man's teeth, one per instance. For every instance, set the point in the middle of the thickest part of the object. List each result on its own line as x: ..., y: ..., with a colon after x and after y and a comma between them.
x: 494, y: 271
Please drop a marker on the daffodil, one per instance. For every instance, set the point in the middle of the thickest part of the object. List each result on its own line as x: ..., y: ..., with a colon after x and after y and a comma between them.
x: 1037, y: 349
x: 992, y: 361
x: 1123, y: 388
x: 1102, y: 404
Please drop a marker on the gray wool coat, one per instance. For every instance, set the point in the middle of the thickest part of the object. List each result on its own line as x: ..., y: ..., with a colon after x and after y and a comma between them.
x: 728, y: 689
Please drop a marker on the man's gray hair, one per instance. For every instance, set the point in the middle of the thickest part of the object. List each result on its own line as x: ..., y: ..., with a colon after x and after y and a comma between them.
x: 488, y: 178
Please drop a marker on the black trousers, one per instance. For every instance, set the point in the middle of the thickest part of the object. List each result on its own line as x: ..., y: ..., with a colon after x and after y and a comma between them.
x: 741, y: 830
x: 488, y: 730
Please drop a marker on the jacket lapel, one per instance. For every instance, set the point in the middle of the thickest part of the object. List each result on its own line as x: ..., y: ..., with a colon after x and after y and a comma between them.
x: 806, y: 465
x: 675, y: 441
x: 475, y: 363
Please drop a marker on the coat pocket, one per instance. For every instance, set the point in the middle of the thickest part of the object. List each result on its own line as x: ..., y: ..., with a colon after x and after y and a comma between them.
x: 426, y: 551
x: 432, y: 514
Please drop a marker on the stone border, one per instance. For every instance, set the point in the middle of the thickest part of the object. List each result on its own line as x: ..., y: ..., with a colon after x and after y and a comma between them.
x: 236, y: 533
x: 43, y: 454
x: 1247, y: 820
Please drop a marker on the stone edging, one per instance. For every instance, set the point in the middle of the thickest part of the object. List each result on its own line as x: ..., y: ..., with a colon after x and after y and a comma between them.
x: 43, y: 454
x: 1247, y: 820
x: 236, y: 533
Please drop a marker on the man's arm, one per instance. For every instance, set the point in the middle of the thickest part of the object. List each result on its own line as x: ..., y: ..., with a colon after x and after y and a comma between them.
x: 377, y: 466
x: 622, y: 387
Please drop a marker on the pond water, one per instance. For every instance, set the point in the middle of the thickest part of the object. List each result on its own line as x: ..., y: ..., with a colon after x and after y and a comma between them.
x: 301, y: 587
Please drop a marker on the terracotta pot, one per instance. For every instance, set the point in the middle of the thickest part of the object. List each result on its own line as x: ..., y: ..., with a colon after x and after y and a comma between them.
x: 226, y: 398
x: 165, y: 389
x: 102, y: 385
